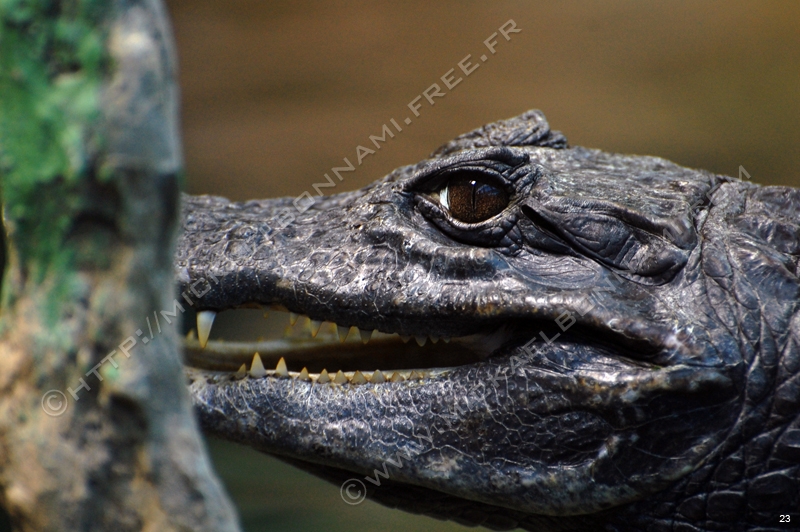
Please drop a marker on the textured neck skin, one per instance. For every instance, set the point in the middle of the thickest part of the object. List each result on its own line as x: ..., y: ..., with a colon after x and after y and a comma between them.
x: 672, y: 398
x: 748, y: 275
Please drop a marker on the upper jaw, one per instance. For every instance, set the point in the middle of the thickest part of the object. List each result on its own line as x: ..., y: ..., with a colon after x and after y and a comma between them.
x: 387, y: 258
x: 378, y: 259
x: 361, y: 260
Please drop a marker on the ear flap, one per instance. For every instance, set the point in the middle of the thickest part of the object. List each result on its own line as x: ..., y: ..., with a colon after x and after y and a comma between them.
x: 528, y: 129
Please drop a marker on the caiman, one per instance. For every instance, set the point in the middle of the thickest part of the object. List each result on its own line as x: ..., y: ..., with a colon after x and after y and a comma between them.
x: 566, y: 339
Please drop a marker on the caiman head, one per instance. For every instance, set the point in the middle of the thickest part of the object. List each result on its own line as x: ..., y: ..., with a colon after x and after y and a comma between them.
x: 566, y: 338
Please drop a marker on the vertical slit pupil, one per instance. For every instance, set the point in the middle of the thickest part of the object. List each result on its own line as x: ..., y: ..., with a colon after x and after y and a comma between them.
x: 474, y: 197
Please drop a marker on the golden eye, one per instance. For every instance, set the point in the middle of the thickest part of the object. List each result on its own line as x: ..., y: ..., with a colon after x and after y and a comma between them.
x: 472, y: 197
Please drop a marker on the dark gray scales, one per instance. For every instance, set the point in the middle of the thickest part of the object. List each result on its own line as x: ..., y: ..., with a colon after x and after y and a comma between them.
x: 624, y: 334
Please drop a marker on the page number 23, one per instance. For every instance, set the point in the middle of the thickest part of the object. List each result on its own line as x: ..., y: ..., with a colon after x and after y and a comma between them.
x: 785, y: 518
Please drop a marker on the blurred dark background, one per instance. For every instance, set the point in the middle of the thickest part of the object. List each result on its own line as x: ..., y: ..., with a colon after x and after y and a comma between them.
x: 276, y: 93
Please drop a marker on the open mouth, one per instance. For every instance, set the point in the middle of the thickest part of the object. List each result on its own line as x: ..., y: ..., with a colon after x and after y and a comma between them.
x: 293, y: 346
x: 257, y: 342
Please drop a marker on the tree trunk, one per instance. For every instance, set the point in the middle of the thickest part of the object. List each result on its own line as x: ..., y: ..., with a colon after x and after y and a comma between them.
x: 96, y: 427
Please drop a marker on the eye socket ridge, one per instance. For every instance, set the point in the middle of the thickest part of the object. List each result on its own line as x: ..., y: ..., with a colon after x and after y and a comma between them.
x: 472, y: 196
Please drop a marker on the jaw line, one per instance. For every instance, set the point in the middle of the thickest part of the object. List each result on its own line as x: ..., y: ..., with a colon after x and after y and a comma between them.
x: 339, y: 349
x: 305, y: 357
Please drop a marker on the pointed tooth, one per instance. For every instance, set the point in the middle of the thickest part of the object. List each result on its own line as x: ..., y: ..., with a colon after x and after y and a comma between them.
x: 434, y: 339
x: 323, y: 377
x: 342, y: 332
x: 205, y: 319
x: 396, y: 377
x: 257, y: 367
x: 405, y: 339
x: 446, y: 340
x: 421, y: 340
x: 315, y: 325
x: 339, y: 378
x: 281, y: 370
x: 358, y: 378
x: 365, y: 335
x: 304, y: 375
x: 414, y: 376
x: 191, y: 335
x: 293, y: 318
x: 378, y: 377
x: 242, y: 372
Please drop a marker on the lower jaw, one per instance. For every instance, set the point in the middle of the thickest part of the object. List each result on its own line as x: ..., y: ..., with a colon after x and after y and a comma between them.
x: 321, y: 362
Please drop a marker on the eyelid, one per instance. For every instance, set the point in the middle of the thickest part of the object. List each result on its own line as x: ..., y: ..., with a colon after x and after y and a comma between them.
x: 444, y: 200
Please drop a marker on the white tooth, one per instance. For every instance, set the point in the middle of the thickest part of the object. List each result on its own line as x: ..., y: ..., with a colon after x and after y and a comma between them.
x: 378, y: 377
x: 205, y: 319
x: 405, y: 339
x: 339, y: 378
x: 365, y: 335
x: 304, y: 375
x: 242, y: 372
x: 323, y: 377
x: 280, y: 369
x: 396, y: 377
x: 293, y: 318
x: 342, y: 332
x: 421, y: 340
x: 191, y: 335
x: 315, y: 325
x: 358, y: 378
x: 257, y: 367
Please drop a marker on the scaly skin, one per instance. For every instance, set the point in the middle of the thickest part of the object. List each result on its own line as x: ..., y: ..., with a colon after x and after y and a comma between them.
x: 638, y: 323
